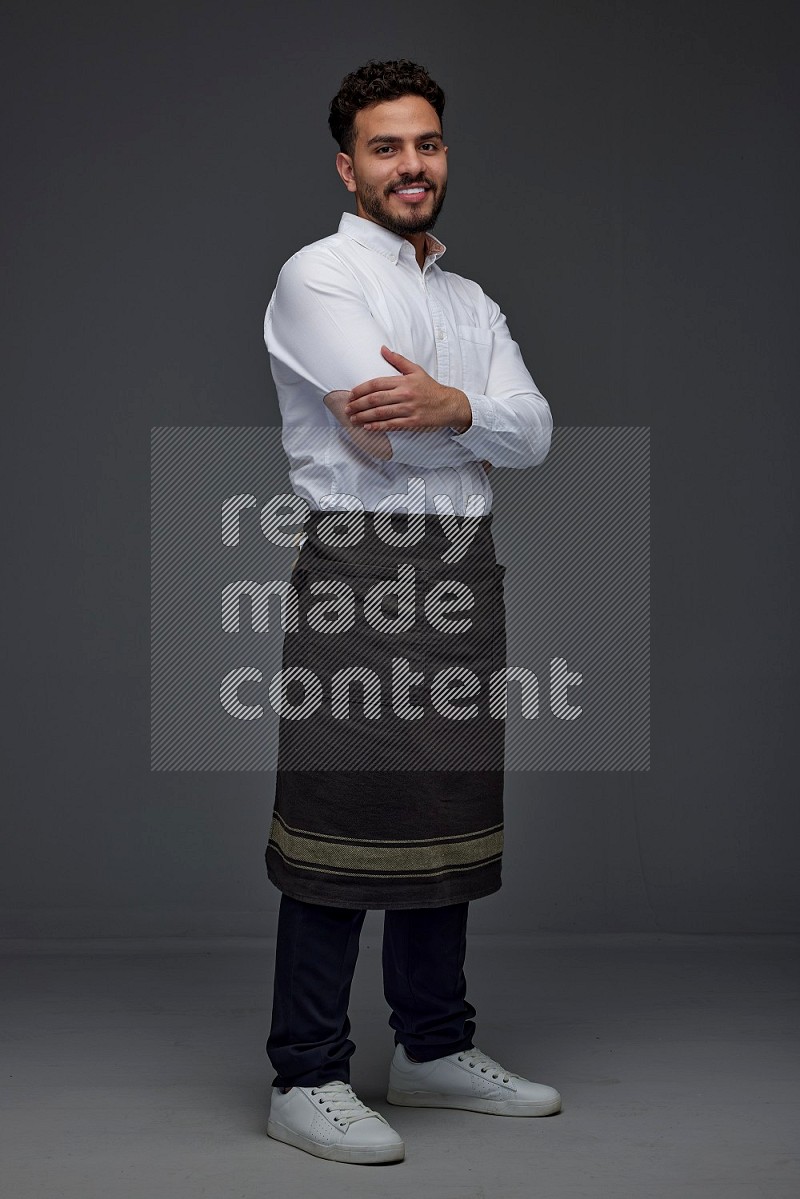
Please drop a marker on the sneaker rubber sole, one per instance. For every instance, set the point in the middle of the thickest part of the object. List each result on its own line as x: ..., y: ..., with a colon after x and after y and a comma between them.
x: 362, y: 1155
x: 468, y: 1103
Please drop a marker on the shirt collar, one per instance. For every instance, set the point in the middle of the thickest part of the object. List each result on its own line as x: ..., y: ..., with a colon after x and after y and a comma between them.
x: 376, y: 237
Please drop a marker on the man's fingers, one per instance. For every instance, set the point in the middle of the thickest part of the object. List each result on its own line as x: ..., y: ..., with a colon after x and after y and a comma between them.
x: 382, y: 384
x: 381, y: 412
x: 373, y: 399
x: 372, y: 441
x: 405, y: 364
x: 393, y: 425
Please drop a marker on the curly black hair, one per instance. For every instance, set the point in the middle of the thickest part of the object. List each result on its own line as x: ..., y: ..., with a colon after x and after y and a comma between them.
x: 372, y: 83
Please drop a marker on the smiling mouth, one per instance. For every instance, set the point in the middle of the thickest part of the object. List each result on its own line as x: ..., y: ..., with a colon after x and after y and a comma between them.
x: 417, y: 192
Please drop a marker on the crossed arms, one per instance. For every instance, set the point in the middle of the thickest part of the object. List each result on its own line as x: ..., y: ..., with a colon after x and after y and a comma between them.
x: 320, y: 326
x: 411, y: 399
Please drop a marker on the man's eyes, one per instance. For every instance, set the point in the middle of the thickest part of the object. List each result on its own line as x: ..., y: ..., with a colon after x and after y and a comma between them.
x: 432, y: 145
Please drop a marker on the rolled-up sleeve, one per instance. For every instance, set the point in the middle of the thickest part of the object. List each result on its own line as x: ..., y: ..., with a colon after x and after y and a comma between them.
x: 512, y: 423
x: 318, y: 325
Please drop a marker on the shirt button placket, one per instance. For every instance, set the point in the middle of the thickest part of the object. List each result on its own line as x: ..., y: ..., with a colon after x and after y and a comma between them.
x: 440, y: 336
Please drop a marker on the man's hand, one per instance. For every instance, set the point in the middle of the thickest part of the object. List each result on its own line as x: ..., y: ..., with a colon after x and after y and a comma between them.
x: 377, y: 444
x: 410, y: 400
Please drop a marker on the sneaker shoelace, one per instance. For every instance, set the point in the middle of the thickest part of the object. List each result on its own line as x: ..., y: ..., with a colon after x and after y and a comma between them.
x: 339, y: 1097
x: 487, y: 1065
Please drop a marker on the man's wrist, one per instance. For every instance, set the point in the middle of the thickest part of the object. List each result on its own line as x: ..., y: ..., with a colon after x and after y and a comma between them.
x: 463, y: 418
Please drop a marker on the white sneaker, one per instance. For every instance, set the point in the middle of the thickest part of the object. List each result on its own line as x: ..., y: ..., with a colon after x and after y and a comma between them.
x: 330, y: 1121
x: 469, y: 1080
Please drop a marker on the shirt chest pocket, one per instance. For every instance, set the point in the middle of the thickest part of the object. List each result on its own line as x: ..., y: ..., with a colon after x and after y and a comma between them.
x: 475, y: 345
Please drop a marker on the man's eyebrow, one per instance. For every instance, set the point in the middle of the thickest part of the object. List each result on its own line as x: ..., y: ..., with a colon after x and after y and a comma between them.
x: 390, y: 138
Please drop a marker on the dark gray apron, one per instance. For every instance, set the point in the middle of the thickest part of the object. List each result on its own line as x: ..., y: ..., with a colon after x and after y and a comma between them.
x: 389, y: 786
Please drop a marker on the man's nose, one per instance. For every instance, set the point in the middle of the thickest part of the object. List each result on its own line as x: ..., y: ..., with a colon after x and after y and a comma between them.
x: 410, y: 163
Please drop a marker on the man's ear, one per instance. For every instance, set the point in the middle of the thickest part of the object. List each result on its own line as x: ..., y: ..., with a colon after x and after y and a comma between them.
x: 344, y: 165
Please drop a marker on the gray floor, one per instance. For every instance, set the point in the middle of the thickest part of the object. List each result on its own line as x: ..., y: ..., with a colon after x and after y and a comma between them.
x: 138, y: 1068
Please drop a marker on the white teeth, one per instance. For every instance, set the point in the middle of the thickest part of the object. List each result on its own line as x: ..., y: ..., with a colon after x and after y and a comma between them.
x: 410, y: 191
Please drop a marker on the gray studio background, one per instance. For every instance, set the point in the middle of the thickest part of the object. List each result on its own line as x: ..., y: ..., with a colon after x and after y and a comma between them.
x: 622, y: 181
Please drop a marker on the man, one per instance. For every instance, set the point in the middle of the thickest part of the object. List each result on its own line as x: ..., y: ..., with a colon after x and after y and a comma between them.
x: 400, y: 387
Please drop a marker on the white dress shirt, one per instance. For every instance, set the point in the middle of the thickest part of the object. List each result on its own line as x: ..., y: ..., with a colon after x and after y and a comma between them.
x: 336, y: 301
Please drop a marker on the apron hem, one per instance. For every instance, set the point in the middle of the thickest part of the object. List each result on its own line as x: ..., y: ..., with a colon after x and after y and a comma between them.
x: 460, y: 895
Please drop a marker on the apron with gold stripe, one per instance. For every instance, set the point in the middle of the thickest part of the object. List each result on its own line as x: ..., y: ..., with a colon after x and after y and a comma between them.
x: 389, y: 790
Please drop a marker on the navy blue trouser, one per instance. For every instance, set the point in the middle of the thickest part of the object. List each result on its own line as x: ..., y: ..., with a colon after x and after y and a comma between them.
x: 423, y: 981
